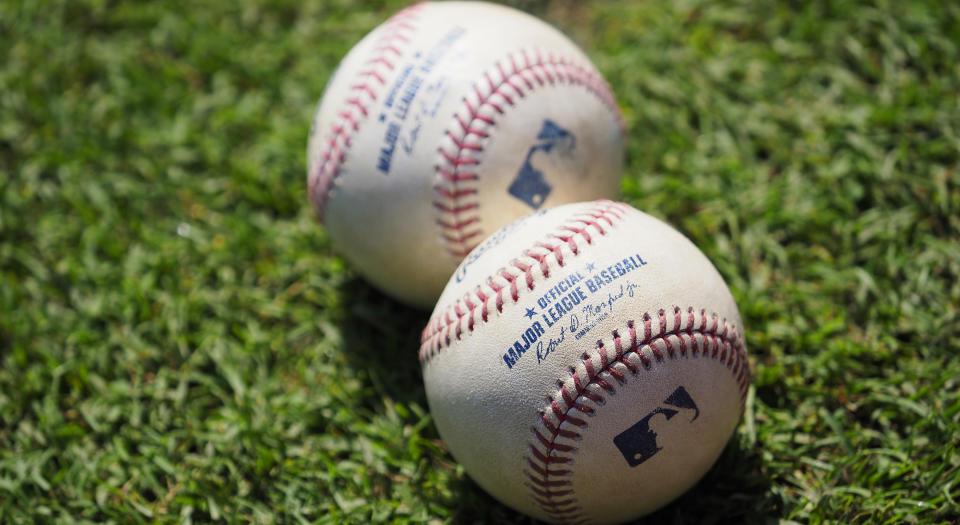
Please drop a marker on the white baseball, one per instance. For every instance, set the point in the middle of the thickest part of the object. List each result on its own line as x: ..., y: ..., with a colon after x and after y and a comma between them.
x: 447, y: 122
x: 585, y: 364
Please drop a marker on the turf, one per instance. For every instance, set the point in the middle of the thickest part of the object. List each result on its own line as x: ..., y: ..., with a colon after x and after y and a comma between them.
x: 181, y: 343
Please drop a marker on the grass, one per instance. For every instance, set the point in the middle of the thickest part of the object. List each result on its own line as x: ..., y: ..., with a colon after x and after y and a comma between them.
x: 180, y: 342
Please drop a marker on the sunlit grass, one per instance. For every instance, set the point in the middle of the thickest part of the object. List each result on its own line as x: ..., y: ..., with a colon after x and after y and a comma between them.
x: 179, y: 341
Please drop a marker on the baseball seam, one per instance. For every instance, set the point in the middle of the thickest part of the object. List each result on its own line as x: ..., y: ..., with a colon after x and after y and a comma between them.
x: 364, y: 91
x: 463, y: 315
x: 456, y: 180
x: 692, y: 335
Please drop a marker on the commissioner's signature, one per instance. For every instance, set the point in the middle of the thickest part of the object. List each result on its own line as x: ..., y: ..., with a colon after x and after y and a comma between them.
x: 544, y: 350
x: 591, y: 314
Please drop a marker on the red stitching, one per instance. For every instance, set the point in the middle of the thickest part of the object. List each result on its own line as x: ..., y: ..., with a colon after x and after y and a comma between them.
x: 459, y: 225
x: 373, y: 73
x: 461, y: 237
x: 458, y: 193
x: 436, y: 335
x: 356, y: 107
x: 455, y: 209
x: 724, y: 344
x: 454, y: 177
x: 518, y: 74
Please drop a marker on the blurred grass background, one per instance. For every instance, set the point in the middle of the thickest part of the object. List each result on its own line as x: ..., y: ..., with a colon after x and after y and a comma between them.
x: 179, y: 342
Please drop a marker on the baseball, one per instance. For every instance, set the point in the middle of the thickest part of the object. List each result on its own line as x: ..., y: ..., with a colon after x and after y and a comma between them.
x: 447, y: 122
x: 585, y: 364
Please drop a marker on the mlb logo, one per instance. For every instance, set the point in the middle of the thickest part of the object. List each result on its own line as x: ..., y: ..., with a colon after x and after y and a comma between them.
x: 530, y: 184
x: 639, y: 442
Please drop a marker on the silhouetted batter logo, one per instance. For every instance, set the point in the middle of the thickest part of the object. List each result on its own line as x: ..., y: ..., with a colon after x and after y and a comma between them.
x: 530, y: 186
x: 638, y: 443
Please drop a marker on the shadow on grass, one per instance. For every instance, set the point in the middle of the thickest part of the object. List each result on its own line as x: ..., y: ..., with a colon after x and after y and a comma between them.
x: 735, y: 490
x: 381, y: 337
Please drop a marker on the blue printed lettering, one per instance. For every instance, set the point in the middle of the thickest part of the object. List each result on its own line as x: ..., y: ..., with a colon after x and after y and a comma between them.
x: 402, y: 94
x: 591, y: 286
x: 522, y: 344
x: 385, y: 158
x: 401, y: 78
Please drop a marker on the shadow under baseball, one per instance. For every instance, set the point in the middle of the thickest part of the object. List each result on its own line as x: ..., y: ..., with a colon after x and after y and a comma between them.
x: 381, y: 337
x: 734, y: 490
